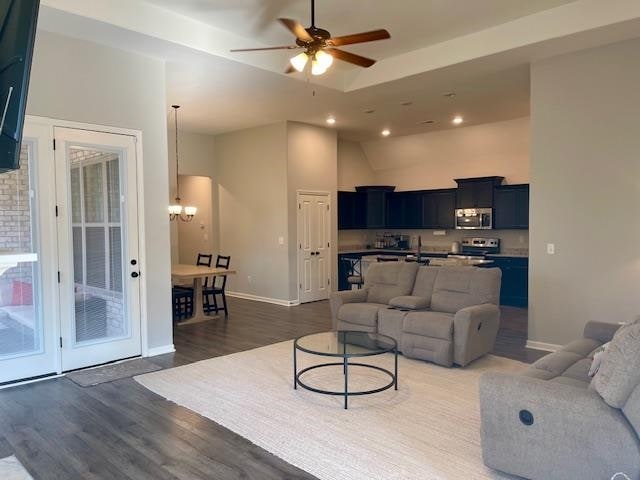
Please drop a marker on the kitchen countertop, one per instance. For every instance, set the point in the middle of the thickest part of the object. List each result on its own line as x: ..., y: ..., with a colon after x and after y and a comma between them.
x: 425, y: 252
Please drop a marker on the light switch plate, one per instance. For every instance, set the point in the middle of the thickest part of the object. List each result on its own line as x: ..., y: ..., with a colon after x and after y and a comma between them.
x: 551, y: 248
x: 280, y: 240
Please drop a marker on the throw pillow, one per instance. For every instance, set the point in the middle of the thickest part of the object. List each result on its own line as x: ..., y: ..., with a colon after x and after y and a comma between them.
x: 619, y: 372
x: 22, y: 293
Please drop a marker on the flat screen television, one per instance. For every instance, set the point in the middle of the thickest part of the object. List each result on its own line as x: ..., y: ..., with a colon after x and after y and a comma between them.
x: 18, y: 19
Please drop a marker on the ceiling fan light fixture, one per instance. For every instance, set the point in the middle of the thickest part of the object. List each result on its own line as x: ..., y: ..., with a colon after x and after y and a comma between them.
x: 324, y: 59
x: 316, y: 68
x: 299, y: 61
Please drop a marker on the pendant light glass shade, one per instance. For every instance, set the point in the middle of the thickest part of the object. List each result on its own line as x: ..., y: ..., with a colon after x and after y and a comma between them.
x: 324, y: 59
x: 299, y: 61
x: 175, y: 210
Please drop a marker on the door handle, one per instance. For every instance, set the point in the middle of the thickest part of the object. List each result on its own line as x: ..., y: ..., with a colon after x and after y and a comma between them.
x: 135, y: 274
x: 317, y: 253
x: 313, y: 253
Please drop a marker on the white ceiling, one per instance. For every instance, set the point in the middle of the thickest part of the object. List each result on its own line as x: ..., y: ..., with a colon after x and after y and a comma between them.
x: 413, y: 24
x: 479, y: 49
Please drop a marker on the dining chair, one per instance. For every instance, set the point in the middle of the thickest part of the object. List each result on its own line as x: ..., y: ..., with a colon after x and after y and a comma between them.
x: 217, y: 287
x: 354, y: 271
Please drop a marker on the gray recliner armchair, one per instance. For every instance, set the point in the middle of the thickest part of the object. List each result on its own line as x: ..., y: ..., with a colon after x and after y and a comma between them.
x: 445, y: 315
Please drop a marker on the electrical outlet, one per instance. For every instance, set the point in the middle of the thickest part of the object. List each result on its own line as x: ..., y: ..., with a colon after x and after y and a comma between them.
x: 280, y: 240
x: 551, y: 248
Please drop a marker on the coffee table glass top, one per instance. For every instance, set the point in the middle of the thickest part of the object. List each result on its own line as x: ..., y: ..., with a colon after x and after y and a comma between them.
x: 346, y: 344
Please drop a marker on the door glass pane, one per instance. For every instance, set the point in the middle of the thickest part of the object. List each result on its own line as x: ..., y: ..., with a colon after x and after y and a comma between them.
x: 97, y: 239
x: 20, y: 325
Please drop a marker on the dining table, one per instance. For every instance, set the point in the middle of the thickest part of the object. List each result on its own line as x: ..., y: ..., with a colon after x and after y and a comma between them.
x: 180, y: 273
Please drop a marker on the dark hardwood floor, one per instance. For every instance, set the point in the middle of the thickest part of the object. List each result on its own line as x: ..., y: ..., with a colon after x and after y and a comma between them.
x: 121, y: 430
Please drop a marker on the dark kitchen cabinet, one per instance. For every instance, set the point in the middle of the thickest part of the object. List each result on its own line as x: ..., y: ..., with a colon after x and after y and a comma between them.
x: 351, y: 211
x: 476, y: 192
x: 438, y: 208
x: 404, y: 210
x: 511, y: 207
x: 514, y: 290
x: 375, y: 201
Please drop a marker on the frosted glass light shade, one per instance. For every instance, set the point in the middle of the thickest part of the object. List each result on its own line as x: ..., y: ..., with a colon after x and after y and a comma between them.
x: 299, y: 61
x: 175, y: 209
x: 190, y: 211
x: 316, y: 68
x: 324, y: 59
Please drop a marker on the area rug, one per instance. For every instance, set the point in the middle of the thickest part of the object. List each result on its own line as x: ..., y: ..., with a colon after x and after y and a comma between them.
x: 428, y: 429
x: 12, y: 469
x: 109, y: 373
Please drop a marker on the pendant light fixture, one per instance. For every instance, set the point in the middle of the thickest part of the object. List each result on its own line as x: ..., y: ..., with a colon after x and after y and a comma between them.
x: 175, y: 210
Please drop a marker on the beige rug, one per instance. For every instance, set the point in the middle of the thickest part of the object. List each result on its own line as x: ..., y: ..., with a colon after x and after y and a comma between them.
x: 428, y: 429
x: 12, y: 469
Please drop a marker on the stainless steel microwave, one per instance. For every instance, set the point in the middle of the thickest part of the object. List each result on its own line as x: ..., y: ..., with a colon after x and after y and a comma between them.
x: 474, y: 218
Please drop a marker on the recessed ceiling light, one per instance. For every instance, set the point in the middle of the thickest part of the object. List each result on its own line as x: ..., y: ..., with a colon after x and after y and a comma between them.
x: 369, y: 111
x: 424, y: 122
x: 386, y: 132
x: 457, y: 120
x: 449, y: 94
x: 406, y: 104
x: 331, y: 120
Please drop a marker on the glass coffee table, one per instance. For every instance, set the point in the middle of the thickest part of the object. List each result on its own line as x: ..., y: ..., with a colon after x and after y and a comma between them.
x: 345, y: 345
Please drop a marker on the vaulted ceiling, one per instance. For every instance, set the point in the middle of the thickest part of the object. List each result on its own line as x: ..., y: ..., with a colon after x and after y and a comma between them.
x: 479, y: 49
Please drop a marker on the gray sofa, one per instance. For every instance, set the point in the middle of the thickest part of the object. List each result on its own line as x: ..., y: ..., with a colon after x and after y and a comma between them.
x: 445, y: 315
x: 555, y: 422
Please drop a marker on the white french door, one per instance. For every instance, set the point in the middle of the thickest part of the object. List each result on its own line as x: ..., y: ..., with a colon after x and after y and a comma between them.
x: 314, y: 233
x: 28, y: 304
x: 97, y: 247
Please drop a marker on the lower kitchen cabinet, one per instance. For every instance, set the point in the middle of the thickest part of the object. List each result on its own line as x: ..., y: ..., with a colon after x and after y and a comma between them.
x: 515, y: 280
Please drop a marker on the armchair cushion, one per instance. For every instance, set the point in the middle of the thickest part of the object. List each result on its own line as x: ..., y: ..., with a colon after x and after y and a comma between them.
x: 458, y: 287
x: 409, y: 302
x: 385, y: 281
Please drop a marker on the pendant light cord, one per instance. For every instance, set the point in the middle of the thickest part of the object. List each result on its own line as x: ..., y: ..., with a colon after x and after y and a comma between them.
x: 175, y: 109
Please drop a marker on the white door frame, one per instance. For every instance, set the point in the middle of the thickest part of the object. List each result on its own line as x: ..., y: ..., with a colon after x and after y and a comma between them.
x: 298, y: 236
x: 48, y: 156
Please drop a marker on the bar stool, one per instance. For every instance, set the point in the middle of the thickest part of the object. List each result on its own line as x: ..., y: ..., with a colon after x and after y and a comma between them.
x: 354, y: 272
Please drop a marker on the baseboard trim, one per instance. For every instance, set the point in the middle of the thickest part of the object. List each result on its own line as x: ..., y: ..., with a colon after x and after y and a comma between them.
x: 152, y: 352
x: 547, y: 347
x: 257, y: 298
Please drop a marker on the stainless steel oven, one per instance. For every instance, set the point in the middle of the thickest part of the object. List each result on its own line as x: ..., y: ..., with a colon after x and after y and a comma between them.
x: 474, y: 218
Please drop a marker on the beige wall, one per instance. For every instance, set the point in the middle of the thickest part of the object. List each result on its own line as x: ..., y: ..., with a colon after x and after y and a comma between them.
x: 196, y: 158
x: 251, y: 168
x: 84, y: 82
x: 312, y: 162
x: 585, y: 189
x: 434, y: 160
x: 196, y: 236
x: 353, y: 167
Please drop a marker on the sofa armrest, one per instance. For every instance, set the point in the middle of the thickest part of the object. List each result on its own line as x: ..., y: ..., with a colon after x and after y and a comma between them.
x: 574, y: 433
x: 474, y: 332
x: 601, y: 331
x: 337, y: 299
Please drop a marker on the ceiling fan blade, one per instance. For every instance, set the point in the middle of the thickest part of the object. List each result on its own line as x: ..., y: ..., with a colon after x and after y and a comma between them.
x: 371, y: 36
x: 285, y: 47
x: 297, y: 29
x: 350, y: 57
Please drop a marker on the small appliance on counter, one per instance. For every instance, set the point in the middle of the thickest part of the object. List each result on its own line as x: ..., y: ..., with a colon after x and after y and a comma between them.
x: 391, y: 241
x: 455, y: 248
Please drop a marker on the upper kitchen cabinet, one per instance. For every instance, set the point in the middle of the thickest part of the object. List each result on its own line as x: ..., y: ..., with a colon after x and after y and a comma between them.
x: 476, y: 192
x: 351, y: 211
x: 438, y: 208
x: 404, y: 210
x: 375, y: 201
x: 511, y: 207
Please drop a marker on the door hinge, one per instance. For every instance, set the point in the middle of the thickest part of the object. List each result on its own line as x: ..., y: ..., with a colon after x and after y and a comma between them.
x: 299, y: 206
x: 54, y: 143
x: 58, y: 276
x: 300, y: 286
x: 60, y: 342
x: 328, y: 281
x: 56, y: 210
x: 327, y: 208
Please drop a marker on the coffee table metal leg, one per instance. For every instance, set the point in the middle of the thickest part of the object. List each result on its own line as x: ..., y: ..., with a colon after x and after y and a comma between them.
x: 346, y: 381
x: 295, y: 368
x: 395, y: 382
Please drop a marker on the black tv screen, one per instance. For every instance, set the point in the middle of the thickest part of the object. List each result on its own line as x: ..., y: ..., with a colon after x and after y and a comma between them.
x: 18, y: 19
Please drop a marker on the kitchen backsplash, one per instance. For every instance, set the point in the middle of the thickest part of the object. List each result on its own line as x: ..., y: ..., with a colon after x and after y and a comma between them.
x: 512, y: 242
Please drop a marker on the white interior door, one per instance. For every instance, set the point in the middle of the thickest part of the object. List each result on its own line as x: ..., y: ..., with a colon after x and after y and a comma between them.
x: 314, y: 247
x: 27, y: 301
x: 98, y: 247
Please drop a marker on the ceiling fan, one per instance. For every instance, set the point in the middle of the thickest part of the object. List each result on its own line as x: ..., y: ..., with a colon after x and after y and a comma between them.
x: 319, y: 46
